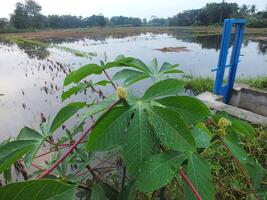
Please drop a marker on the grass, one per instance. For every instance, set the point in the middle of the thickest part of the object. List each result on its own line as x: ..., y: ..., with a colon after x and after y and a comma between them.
x: 198, y: 84
x: 127, y: 31
x: 202, y: 84
x: 23, y: 42
x: 229, y: 181
x: 259, y: 82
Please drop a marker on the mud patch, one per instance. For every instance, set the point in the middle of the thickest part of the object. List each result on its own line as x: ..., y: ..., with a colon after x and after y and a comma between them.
x: 173, y: 49
x: 264, y: 39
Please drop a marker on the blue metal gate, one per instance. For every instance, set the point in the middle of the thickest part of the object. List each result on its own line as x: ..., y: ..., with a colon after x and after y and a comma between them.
x: 224, y: 86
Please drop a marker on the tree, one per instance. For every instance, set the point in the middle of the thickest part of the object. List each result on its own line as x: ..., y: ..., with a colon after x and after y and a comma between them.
x: 144, y: 21
x: 20, y: 17
x: 27, y: 15
x: 3, y: 23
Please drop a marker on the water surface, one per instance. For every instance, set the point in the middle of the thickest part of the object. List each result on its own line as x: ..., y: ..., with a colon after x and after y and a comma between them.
x: 31, y: 79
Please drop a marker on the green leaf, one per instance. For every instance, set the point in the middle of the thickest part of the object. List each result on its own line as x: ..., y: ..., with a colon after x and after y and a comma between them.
x: 199, y: 173
x: 154, y: 65
x: 32, y: 135
x: 98, y: 107
x: 81, y: 73
x: 64, y: 114
x: 129, y: 76
x: 129, y: 62
x: 128, y: 192
x: 159, y: 170
x: 173, y: 71
x: 202, y: 135
x: 7, y: 175
x: 243, y: 128
x: 167, y: 66
x: 38, y: 189
x: 29, y: 134
x: 139, y: 141
x: 97, y: 193
x: 135, y: 63
x: 102, y: 83
x: 164, y: 88
x: 254, y: 170
x: 110, y: 192
x: 12, y: 151
x: 78, y: 88
x: 262, y: 194
x: 190, y: 108
x: 109, y: 130
x: 171, y: 129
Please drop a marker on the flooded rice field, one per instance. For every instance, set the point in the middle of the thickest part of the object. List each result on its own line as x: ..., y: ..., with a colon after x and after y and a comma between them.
x: 31, y: 79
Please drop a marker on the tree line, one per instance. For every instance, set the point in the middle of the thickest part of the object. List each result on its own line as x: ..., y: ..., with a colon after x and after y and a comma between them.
x: 27, y: 15
x: 215, y: 13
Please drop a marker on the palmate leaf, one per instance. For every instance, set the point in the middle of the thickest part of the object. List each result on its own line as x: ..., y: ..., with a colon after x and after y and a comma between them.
x: 128, y: 62
x: 109, y: 130
x: 31, y: 135
x: 163, y: 88
x: 64, y: 114
x: 139, y: 141
x: 167, y: 67
x: 135, y: 63
x: 38, y: 189
x: 171, y: 129
x: 191, y: 109
x: 129, y: 76
x: 159, y: 170
x: 199, y: 173
x: 12, y: 151
x: 81, y: 73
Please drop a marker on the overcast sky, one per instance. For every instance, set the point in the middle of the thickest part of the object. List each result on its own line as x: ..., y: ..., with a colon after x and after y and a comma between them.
x: 135, y: 8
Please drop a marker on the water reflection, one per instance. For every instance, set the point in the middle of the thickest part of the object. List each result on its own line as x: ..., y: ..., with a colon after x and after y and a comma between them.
x: 31, y: 78
x: 33, y: 51
x: 262, y: 47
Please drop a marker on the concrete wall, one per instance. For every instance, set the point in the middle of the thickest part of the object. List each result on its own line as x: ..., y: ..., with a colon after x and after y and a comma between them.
x: 250, y: 99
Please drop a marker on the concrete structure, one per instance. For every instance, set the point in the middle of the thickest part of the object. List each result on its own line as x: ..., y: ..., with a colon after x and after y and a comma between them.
x: 245, y: 103
x: 249, y: 99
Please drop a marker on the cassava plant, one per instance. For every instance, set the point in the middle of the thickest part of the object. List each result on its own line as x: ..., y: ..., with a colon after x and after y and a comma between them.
x: 125, y: 146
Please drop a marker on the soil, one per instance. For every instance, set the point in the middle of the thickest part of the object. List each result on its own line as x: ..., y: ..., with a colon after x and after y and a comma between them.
x: 173, y: 49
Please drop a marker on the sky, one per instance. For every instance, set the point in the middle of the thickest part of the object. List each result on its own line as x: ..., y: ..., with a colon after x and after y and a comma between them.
x: 109, y: 8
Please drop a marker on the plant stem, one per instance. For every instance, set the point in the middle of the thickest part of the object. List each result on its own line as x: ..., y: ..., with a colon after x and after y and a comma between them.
x: 93, y: 172
x: 81, y: 185
x: 77, y: 142
x: 112, y: 83
x: 190, y: 184
x: 123, y: 177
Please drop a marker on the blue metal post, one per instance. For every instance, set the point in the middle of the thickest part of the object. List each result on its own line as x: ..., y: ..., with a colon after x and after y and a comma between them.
x: 220, y: 88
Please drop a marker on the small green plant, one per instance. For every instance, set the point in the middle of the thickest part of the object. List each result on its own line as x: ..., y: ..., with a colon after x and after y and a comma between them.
x: 128, y: 147
x: 198, y: 84
x: 258, y: 82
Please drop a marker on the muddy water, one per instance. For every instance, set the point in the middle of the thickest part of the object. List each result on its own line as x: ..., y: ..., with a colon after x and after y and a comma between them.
x: 31, y: 79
